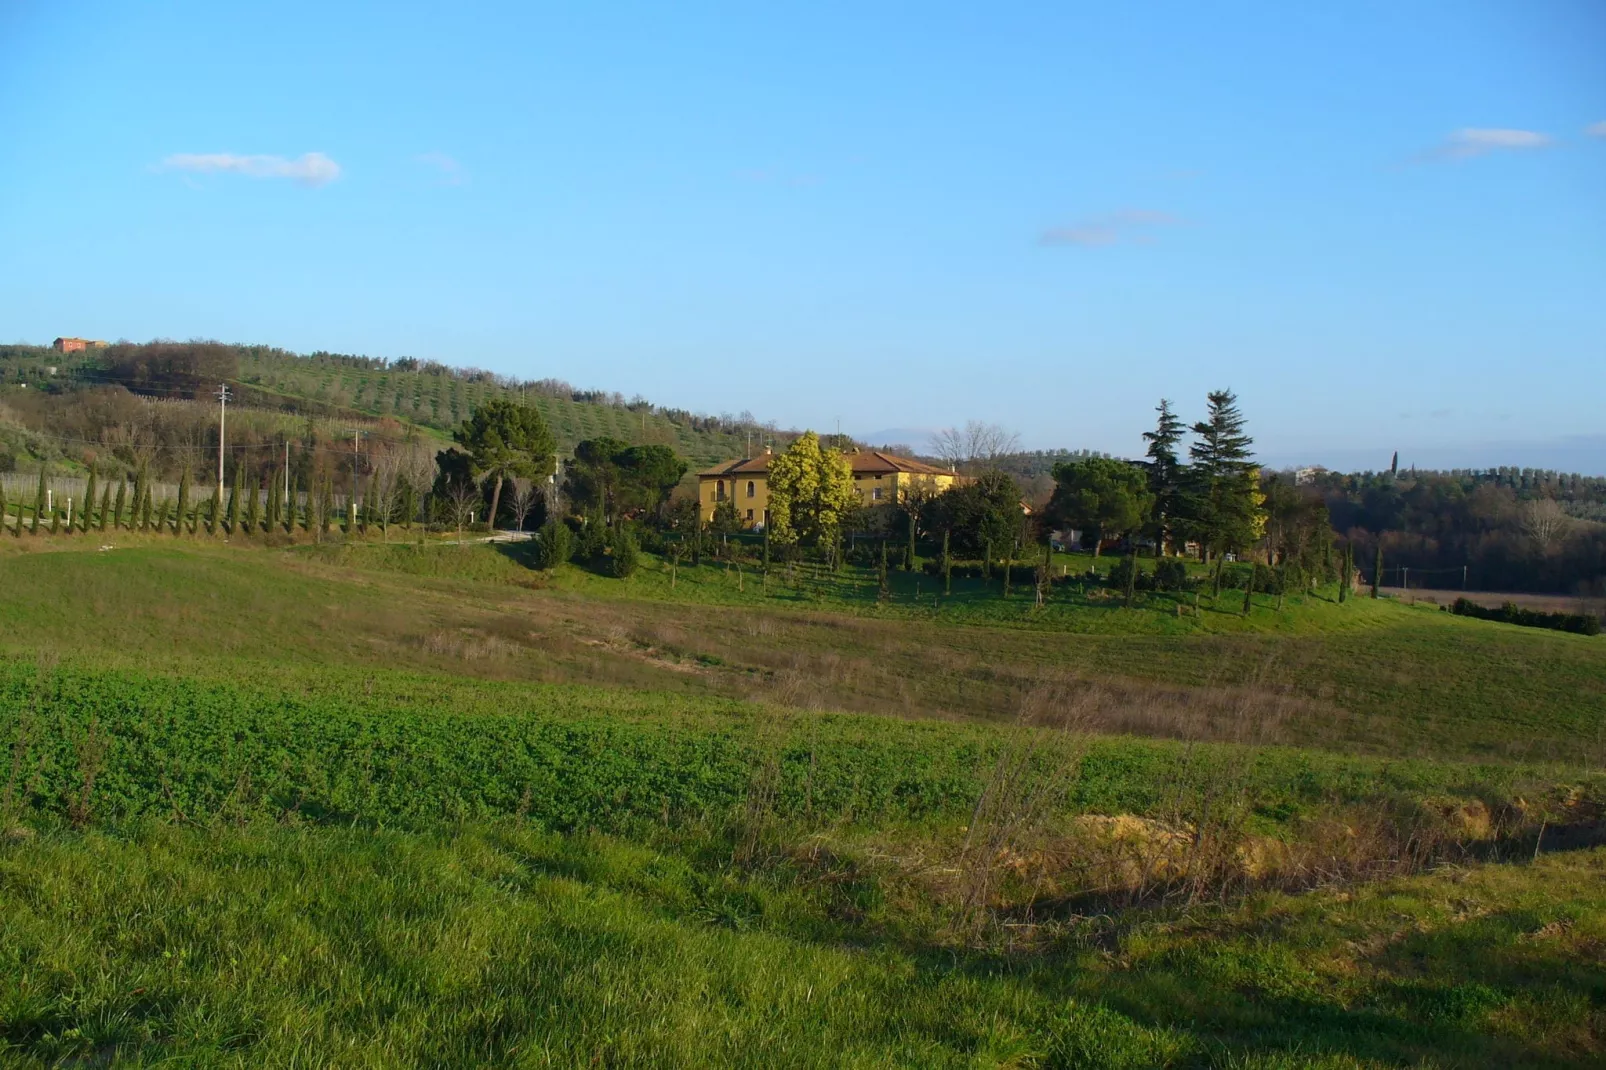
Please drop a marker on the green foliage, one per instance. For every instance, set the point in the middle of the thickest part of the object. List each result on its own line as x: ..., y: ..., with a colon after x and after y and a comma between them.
x: 86, y: 518
x: 38, y: 503
x: 982, y: 515
x: 1107, y: 497
x: 592, y: 541
x: 811, y: 493
x: 624, y: 556
x: 1166, y: 471
x: 553, y: 544
x: 617, y: 479
x: 117, y: 506
x: 181, y: 519
x: 1222, y: 496
x: 1511, y: 613
x: 1171, y: 574
x: 504, y: 440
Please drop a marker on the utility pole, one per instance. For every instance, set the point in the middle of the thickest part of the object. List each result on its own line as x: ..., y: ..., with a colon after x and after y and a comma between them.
x: 355, y: 454
x: 222, y: 408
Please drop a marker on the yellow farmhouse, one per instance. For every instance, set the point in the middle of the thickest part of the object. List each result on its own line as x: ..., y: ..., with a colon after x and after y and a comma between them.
x: 878, y: 477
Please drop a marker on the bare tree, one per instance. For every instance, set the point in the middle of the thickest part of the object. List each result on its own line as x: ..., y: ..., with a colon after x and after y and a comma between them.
x: 458, y: 505
x: 416, y: 466
x: 976, y: 445
x: 523, y: 499
x: 384, y: 490
x: 1544, y: 520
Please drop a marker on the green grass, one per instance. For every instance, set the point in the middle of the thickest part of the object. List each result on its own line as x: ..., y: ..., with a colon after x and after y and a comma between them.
x: 377, y: 805
x: 1371, y: 676
x: 495, y: 944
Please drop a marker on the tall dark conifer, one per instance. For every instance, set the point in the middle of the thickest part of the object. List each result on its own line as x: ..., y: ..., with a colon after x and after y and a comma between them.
x: 1377, y: 566
x: 180, y: 520
x: 1165, y: 471
x: 85, y: 517
x: 38, y: 503
x: 117, y: 507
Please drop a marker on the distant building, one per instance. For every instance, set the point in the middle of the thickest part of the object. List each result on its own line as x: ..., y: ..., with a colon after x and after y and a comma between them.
x: 73, y: 345
x: 1308, y: 475
x: 879, y: 477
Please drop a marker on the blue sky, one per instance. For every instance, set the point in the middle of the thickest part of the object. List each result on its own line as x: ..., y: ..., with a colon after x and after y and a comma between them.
x: 1384, y: 225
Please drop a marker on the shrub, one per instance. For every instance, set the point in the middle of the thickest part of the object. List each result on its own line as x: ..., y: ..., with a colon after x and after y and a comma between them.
x: 590, y: 542
x: 552, y: 544
x: 1511, y: 613
x: 625, y: 553
x: 1171, y: 574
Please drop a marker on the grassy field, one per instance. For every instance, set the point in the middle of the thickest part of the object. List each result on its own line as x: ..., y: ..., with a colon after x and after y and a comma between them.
x: 368, y: 805
x: 1368, y: 676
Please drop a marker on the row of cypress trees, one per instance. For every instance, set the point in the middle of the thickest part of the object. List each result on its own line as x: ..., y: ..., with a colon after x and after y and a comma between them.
x: 132, y: 508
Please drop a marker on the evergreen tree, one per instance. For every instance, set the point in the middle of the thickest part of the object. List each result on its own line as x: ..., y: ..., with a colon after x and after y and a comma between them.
x: 766, y: 549
x: 117, y: 508
x: 1104, y: 496
x: 55, y: 519
x: 947, y: 566
x: 145, y: 522
x: 1131, y: 578
x: 1344, y: 575
x: 38, y: 503
x: 214, y: 513
x: 235, y: 492
x: 1166, y: 472
x: 326, y: 507
x: 883, y: 585
x: 1394, y: 465
x: 506, y: 439
x: 1223, y: 498
x: 180, y: 519
x: 89, y: 502
x: 275, y: 496
x: 141, y: 485
x: 1377, y: 567
x: 626, y: 554
x: 253, y: 503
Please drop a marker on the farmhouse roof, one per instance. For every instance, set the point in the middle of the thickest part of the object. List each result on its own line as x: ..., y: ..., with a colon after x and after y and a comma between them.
x: 863, y: 462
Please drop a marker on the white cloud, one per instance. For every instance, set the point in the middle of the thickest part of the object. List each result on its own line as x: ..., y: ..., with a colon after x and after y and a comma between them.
x: 451, y: 172
x: 1127, y: 225
x: 1468, y: 142
x: 1596, y: 129
x: 311, y: 169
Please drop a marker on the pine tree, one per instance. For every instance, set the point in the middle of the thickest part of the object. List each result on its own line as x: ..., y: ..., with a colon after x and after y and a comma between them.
x: 38, y: 503
x: 947, y: 566
x: 1166, y: 472
x: 183, y: 501
x: 1223, y: 496
x: 89, y: 501
x: 1377, y: 566
x: 117, y: 509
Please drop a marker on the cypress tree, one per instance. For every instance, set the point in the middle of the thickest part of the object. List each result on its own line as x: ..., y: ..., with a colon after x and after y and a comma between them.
x: 1377, y: 566
x: 883, y: 587
x: 1344, y: 575
x: 38, y: 503
x: 139, y: 497
x: 1131, y: 577
x: 89, y: 501
x: 117, y: 509
x: 947, y: 566
x: 326, y: 505
x: 235, y: 491
x: 274, y: 496
x: 909, y: 554
x: 145, y: 509
x: 253, y: 503
x: 183, y: 501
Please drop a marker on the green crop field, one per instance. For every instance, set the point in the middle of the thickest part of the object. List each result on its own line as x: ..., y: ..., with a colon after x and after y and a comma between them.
x: 402, y: 805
